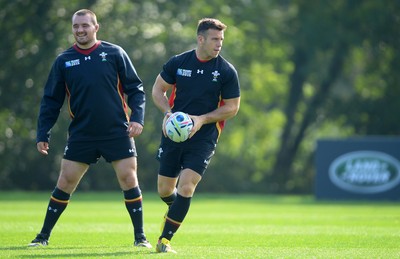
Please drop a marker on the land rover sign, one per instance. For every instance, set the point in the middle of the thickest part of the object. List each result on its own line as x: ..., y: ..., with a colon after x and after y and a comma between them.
x: 365, y: 172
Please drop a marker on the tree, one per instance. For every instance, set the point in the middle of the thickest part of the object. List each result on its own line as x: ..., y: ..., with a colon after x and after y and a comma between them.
x: 341, y: 30
x: 307, y: 70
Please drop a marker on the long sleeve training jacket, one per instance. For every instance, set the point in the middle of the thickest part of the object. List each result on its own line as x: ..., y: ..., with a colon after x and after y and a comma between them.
x: 103, y: 91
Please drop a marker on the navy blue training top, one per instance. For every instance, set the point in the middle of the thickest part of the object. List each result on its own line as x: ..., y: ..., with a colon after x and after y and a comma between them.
x: 100, y: 84
x: 200, y: 87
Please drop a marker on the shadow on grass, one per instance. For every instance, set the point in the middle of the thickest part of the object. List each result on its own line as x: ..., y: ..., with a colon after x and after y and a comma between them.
x: 47, y: 252
x: 94, y: 255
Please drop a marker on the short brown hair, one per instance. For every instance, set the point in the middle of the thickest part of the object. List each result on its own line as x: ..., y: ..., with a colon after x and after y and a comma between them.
x: 210, y: 23
x: 83, y: 12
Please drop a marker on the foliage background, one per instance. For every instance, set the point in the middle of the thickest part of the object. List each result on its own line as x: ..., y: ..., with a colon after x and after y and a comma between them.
x: 308, y: 70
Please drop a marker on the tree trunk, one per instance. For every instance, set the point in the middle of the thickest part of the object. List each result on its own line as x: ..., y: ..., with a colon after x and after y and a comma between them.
x: 290, y: 140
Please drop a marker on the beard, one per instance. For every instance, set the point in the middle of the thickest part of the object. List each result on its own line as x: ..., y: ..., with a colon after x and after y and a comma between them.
x: 83, y: 39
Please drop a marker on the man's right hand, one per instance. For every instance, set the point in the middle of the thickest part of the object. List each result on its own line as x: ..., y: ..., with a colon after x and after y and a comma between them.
x: 42, y: 147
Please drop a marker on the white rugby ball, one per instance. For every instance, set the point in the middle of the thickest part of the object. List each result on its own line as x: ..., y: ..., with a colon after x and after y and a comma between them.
x: 178, y: 126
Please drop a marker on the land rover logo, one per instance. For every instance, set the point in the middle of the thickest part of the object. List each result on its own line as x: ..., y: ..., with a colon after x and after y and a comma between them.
x: 365, y: 172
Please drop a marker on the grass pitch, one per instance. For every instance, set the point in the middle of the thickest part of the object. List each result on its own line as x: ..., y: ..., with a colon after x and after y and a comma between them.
x: 97, y: 225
